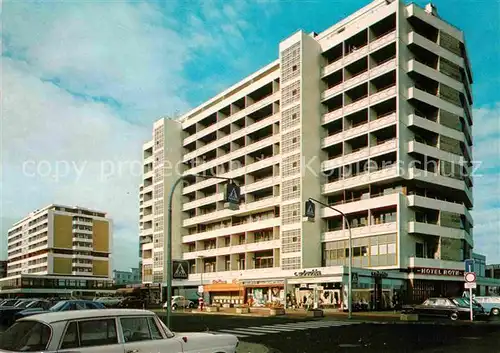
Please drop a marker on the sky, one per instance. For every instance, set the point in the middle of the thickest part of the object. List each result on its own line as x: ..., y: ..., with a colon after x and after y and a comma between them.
x: 83, y: 81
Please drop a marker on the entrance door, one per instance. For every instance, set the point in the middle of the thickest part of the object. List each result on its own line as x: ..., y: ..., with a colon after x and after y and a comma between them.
x: 377, y: 294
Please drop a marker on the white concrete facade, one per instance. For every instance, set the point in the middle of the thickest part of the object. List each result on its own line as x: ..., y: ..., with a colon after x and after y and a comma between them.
x: 372, y: 116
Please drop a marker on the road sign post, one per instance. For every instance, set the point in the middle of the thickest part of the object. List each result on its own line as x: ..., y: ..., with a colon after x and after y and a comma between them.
x: 469, y: 265
x: 470, y: 282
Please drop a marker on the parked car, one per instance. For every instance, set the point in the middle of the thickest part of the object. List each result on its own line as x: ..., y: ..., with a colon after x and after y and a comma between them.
x: 7, y: 313
x: 9, y: 302
x: 454, y: 308
x: 131, y: 303
x: 490, y: 304
x: 109, y: 301
x: 178, y: 301
x: 110, y: 331
x: 63, y: 305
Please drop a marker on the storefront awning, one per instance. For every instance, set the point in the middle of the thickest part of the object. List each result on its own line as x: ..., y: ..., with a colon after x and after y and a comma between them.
x: 223, y: 287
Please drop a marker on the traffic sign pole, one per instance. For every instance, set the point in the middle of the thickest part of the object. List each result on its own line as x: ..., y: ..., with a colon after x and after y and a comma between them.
x: 470, y: 303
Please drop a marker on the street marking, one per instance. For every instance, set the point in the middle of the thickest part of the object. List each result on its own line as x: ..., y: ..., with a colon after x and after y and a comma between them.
x: 237, y: 334
x: 249, y: 332
x: 243, y: 332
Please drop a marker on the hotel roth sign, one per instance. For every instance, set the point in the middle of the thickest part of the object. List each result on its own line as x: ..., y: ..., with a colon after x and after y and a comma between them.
x: 437, y: 271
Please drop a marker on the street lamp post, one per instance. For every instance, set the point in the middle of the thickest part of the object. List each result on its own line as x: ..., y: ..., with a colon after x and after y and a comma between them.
x: 201, y: 257
x: 232, y: 197
x: 311, y: 214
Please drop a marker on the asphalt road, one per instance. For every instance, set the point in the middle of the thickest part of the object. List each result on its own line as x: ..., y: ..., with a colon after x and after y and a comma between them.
x: 285, y: 335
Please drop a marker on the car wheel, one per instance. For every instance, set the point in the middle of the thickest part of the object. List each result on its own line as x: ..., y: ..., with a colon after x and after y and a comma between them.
x: 495, y: 311
x: 174, y: 307
x: 191, y: 305
x: 454, y: 316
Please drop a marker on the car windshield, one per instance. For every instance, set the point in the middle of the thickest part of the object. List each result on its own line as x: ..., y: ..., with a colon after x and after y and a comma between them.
x: 26, y: 336
x: 462, y: 302
x: 10, y: 302
x: 58, y: 306
x: 24, y: 304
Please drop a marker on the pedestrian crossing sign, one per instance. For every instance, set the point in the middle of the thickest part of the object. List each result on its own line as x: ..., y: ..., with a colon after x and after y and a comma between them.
x: 233, y: 193
x: 180, y: 269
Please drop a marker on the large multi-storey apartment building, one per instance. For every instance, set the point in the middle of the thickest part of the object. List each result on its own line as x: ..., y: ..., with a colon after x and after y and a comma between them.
x: 372, y: 116
x: 59, y: 244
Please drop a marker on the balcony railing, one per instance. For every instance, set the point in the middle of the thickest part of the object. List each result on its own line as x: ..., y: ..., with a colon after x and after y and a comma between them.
x: 232, y: 118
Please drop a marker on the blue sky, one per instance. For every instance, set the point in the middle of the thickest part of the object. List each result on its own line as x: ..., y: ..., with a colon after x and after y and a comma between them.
x: 84, y: 80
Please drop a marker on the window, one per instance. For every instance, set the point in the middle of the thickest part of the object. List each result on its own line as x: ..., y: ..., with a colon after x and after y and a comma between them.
x: 136, y: 329
x: 97, y: 332
x: 26, y: 336
x: 70, y: 339
x: 153, y: 327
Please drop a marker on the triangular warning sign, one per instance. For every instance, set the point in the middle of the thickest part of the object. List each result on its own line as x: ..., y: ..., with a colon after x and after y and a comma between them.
x: 310, y: 209
x: 233, y: 196
x: 180, y: 272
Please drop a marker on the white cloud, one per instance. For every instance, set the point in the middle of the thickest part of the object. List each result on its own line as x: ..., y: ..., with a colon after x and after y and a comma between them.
x: 63, y: 63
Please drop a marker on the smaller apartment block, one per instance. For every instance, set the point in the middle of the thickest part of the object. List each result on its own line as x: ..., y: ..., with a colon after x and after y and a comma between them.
x: 372, y: 116
x: 60, y: 243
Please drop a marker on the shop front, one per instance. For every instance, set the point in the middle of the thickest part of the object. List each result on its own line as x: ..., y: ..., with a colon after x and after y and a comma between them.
x: 222, y: 292
x: 323, y: 288
x: 426, y: 282
x: 260, y: 293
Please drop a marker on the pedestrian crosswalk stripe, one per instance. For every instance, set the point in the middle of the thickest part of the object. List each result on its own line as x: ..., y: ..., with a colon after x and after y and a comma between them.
x: 237, y: 334
x: 268, y: 329
x: 247, y: 331
x: 288, y: 327
x: 279, y: 329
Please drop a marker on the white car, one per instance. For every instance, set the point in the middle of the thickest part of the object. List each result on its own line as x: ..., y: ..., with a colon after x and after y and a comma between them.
x: 108, y: 331
x: 178, y: 301
x: 108, y: 300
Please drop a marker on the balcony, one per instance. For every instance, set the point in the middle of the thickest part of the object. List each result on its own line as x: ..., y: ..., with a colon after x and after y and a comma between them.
x: 375, y: 44
x: 437, y: 204
x: 416, y: 39
x: 427, y: 150
x: 244, y: 208
x: 364, y: 153
x: 148, y: 174
x: 203, y: 201
x: 357, y: 104
x: 268, y: 141
x: 361, y: 179
x: 252, y: 108
x: 83, y: 231
x: 434, y: 178
x: 437, y: 230
x: 264, y: 163
x: 231, y: 137
x: 424, y: 70
x: 426, y: 124
x: 382, y: 68
x: 383, y: 94
x: 332, y: 67
x: 260, y: 184
x: 331, y: 116
x: 382, y: 40
x: 82, y: 222
x: 361, y: 204
x: 359, y: 232
x: 235, y: 249
x: 148, y: 160
x: 356, y: 54
x: 234, y: 229
x: 436, y: 101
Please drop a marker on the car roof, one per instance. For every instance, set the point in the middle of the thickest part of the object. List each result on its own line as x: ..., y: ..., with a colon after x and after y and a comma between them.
x: 49, y: 318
